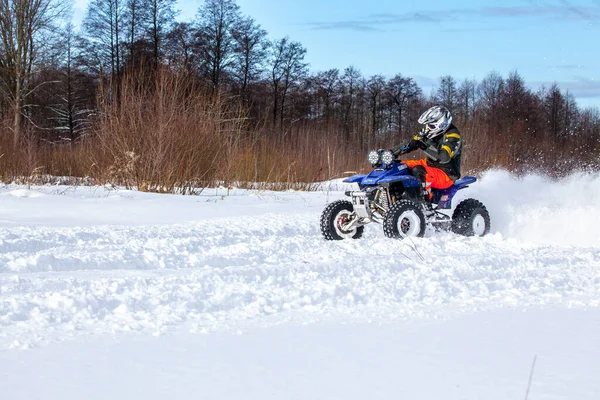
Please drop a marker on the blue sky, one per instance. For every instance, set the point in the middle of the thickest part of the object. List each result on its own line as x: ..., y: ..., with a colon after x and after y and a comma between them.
x: 545, y: 40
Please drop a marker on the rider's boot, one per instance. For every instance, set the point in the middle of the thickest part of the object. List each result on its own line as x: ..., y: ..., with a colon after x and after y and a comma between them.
x: 427, y: 194
x: 420, y: 173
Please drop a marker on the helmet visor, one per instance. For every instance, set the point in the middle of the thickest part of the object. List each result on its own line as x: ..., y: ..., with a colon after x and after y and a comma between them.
x: 430, y: 127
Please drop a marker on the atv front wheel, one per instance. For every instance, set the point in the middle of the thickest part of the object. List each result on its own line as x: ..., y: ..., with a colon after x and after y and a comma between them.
x: 335, y: 222
x: 471, y: 218
x: 404, y: 219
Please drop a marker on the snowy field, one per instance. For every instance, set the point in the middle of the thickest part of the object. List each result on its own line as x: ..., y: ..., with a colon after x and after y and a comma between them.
x: 235, y: 295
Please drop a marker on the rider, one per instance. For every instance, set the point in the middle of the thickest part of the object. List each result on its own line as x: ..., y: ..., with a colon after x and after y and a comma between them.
x: 441, y: 142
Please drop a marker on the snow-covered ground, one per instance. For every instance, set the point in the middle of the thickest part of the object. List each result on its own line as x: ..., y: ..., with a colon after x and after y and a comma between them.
x: 227, y: 295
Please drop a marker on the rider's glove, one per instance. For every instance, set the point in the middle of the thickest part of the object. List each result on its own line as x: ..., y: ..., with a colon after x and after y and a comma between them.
x: 416, y: 144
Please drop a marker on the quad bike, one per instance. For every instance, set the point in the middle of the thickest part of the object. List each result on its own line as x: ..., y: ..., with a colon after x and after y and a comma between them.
x: 390, y: 195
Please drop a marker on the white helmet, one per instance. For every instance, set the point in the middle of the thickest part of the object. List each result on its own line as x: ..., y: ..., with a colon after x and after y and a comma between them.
x: 436, y: 120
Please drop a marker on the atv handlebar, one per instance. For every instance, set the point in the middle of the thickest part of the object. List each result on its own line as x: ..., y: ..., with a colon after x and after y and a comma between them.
x: 401, y: 151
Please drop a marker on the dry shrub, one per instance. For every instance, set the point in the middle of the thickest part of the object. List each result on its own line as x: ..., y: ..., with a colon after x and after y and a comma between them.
x: 168, y: 136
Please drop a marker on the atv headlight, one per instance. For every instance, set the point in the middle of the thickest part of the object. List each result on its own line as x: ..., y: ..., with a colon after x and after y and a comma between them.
x: 373, y: 157
x: 387, y: 157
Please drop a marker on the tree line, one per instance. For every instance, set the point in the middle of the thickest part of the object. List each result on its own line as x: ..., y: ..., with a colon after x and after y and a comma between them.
x: 62, y: 90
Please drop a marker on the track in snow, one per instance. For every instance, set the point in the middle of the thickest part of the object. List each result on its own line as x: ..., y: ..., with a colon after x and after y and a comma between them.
x: 59, y: 282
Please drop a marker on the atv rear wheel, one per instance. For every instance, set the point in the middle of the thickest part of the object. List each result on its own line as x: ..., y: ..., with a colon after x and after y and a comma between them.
x: 471, y: 218
x: 404, y: 219
x: 335, y: 221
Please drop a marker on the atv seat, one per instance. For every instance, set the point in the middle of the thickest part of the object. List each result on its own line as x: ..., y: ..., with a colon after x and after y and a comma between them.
x: 443, y: 198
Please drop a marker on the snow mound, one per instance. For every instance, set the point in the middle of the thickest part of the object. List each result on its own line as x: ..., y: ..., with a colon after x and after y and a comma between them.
x: 25, y: 193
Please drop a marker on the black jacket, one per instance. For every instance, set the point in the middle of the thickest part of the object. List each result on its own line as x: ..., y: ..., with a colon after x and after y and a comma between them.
x: 443, y: 152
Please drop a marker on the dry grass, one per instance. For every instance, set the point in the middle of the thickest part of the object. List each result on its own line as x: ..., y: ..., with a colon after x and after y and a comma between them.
x: 168, y: 135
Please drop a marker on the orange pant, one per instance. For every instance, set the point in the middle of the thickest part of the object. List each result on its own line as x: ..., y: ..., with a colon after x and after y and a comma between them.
x: 438, y: 178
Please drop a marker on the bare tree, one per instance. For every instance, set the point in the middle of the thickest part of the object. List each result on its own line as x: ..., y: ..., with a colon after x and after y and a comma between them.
x: 161, y: 16
x: 251, y: 49
x: 136, y: 16
x: 447, y: 92
x: 70, y: 112
x: 401, y: 91
x: 23, y: 25
x: 514, y: 98
x: 466, y: 97
x: 555, y: 107
x: 102, y: 33
x: 350, y: 81
x: 489, y: 93
x: 571, y: 114
x: 217, y: 19
x: 327, y: 82
x: 376, y: 88
x: 287, y: 67
x: 181, y: 46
